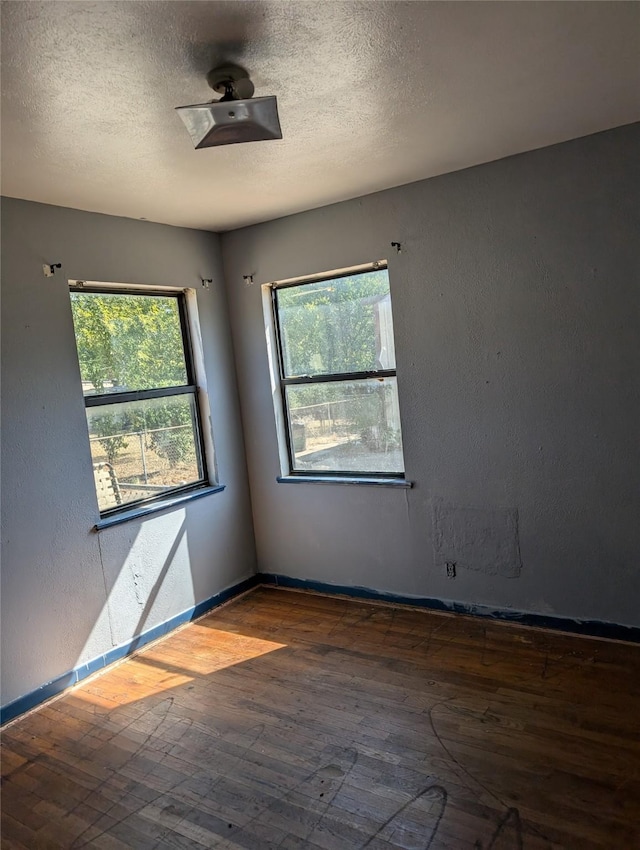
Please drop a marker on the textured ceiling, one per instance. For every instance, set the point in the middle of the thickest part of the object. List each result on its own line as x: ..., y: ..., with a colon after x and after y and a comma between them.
x: 371, y: 95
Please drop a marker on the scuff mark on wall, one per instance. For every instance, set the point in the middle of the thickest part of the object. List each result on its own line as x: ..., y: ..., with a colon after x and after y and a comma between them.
x: 106, y: 593
x: 479, y: 539
x: 137, y: 576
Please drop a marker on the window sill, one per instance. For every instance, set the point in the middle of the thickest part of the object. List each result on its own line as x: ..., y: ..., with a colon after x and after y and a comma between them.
x: 344, y: 479
x: 155, y: 507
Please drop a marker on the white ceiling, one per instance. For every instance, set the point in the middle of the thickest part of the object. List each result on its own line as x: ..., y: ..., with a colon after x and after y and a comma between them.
x: 370, y: 94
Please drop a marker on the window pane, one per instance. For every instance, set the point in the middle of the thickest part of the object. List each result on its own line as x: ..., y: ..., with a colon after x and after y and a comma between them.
x: 346, y: 426
x: 128, y: 342
x: 340, y: 325
x: 143, y: 448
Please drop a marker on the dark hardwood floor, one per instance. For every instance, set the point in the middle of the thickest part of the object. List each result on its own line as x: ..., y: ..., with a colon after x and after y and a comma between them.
x: 291, y: 720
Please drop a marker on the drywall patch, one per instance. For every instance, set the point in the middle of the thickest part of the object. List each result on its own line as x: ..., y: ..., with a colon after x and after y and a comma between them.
x: 477, y: 539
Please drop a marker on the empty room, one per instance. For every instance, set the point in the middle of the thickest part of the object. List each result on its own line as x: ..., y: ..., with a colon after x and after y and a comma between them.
x: 320, y: 415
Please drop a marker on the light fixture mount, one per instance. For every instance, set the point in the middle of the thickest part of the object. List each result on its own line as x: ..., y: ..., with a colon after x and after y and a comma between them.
x: 235, y: 117
x: 232, y: 82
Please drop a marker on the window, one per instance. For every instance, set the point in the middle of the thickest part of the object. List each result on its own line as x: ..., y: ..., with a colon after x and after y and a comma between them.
x: 140, y: 395
x: 338, y: 375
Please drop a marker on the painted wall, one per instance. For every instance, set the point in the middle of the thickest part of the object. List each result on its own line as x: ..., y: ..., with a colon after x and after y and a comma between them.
x: 515, y: 302
x: 69, y: 595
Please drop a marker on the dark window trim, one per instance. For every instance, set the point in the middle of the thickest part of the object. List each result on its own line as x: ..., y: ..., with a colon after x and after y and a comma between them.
x: 116, y: 289
x: 371, y: 479
x: 172, y: 499
x: 155, y: 499
x: 100, y: 399
x: 283, y: 395
x: 203, y: 484
x: 325, y: 473
x: 380, y: 374
x: 294, y: 473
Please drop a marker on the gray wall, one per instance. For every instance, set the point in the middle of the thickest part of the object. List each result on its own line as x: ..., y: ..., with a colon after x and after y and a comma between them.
x: 515, y: 304
x: 516, y: 313
x: 68, y: 594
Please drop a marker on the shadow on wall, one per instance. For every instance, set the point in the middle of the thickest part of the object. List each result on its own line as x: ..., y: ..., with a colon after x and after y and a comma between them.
x: 151, y: 585
x: 149, y: 562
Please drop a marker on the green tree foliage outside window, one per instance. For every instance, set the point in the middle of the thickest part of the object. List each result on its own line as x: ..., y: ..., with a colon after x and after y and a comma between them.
x: 329, y: 328
x: 129, y: 342
x: 340, y: 328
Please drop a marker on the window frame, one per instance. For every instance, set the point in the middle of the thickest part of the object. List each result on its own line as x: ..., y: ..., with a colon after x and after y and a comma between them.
x: 333, y: 377
x: 192, y: 388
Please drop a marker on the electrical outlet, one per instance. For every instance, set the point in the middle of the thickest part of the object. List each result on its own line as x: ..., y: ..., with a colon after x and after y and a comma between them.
x: 451, y: 569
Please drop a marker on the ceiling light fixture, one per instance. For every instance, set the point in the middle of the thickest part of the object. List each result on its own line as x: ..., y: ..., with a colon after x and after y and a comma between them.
x: 235, y: 117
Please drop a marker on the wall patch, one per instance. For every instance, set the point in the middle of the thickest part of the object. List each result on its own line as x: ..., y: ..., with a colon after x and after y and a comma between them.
x: 479, y: 539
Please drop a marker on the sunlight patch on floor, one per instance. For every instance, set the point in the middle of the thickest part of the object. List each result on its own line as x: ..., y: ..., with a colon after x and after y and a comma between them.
x: 195, y: 652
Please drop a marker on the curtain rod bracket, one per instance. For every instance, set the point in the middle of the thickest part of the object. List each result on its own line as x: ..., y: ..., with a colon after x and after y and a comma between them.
x: 49, y: 269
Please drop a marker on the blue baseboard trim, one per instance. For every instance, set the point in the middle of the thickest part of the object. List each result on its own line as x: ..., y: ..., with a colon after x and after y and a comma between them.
x: 592, y: 628
x: 61, y: 683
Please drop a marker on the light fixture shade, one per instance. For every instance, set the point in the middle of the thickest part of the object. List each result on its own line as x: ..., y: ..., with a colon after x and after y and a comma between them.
x: 232, y: 121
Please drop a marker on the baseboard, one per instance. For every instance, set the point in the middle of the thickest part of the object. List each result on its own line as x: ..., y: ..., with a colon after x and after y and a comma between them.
x: 591, y: 628
x: 34, y: 698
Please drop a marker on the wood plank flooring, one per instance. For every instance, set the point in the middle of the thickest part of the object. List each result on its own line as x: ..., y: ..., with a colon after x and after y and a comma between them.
x: 289, y: 720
